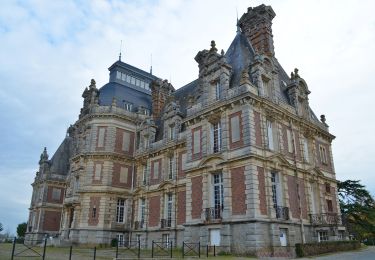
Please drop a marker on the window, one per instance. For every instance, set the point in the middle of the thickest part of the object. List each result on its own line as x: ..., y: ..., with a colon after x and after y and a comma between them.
x: 235, y: 128
x: 170, y: 168
x: 216, y: 137
x: 276, y: 189
x: 118, y: 74
x: 171, y: 132
x: 183, y: 161
x: 328, y: 187
x: 144, y: 175
x: 218, y: 195
x: 329, y: 206
x: 126, y: 141
x: 156, y: 169
x: 120, y: 211
x: 124, y: 174
x: 142, y: 212
x: 323, y: 154
x: 196, y: 141
x: 169, y: 208
x: 290, y: 140
x: 101, y: 136
x: 305, y: 150
x: 270, y: 135
x: 93, y: 212
x: 98, y: 172
x: 217, y: 90
x: 127, y: 106
x: 41, y: 191
x: 267, y: 87
x: 322, y: 236
x: 56, y: 193
x: 165, y: 240
x: 313, y: 199
x: 120, y: 240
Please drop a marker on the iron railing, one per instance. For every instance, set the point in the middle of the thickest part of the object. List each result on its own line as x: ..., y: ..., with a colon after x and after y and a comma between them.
x: 325, y: 219
x: 214, y: 213
x: 282, y: 212
x: 138, y: 224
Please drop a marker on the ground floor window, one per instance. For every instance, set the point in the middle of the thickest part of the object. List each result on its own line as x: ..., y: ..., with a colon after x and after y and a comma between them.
x: 283, y: 237
x: 165, y: 240
x: 120, y: 240
x: 341, y: 235
x: 322, y: 236
x: 215, y: 237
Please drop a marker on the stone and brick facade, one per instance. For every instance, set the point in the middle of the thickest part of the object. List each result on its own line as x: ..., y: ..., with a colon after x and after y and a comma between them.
x: 235, y: 158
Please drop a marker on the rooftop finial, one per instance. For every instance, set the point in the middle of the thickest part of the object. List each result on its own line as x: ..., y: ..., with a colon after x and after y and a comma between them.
x: 151, y: 65
x: 119, y: 56
x: 238, y: 24
x: 213, y: 46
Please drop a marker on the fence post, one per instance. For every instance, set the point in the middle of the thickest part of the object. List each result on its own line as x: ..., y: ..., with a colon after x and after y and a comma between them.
x: 70, y: 252
x: 199, y: 249
x: 44, y: 248
x: 14, y: 247
x: 139, y: 248
x: 183, y: 245
x: 152, y: 249
x: 94, y: 253
x: 171, y: 248
x: 117, y: 249
x: 214, y: 250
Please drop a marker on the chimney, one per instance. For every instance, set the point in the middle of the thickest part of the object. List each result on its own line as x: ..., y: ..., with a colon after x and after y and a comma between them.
x: 256, y: 24
x: 160, y: 91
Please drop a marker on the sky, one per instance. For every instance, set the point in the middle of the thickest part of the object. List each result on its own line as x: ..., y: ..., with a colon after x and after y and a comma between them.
x: 50, y: 50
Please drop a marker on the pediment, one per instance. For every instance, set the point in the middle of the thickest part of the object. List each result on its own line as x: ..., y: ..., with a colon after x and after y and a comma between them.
x: 139, y: 190
x: 166, y: 185
x: 278, y: 160
x: 212, y: 161
x: 316, y: 171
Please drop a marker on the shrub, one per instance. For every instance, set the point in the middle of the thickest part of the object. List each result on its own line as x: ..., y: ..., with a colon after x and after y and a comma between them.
x: 114, y: 242
x: 311, y: 249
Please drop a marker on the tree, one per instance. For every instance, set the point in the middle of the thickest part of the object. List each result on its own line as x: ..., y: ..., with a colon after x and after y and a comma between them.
x: 21, y: 229
x: 1, y: 227
x: 357, y: 208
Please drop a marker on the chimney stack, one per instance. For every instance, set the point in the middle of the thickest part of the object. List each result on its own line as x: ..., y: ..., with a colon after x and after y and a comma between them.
x: 160, y: 91
x: 256, y: 24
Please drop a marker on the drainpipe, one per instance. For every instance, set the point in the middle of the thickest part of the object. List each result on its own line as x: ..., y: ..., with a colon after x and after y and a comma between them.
x: 297, y: 184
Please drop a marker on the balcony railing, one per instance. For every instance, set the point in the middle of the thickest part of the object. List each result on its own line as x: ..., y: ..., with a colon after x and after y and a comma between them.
x: 325, y: 219
x: 165, y: 223
x: 138, y: 224
x: 214, y: 213
x: 282, y: 212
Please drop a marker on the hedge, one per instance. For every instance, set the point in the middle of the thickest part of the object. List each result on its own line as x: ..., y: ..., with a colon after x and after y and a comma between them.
x: 311, y: 249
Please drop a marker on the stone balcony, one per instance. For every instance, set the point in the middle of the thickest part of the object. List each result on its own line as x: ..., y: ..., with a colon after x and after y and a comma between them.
x: 325, y: 219
x: 282, y: 212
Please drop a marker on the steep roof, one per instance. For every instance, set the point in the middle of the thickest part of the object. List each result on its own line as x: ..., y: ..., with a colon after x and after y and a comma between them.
x: 60, y: 160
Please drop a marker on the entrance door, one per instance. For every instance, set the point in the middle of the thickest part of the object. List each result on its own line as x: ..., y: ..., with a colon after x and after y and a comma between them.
x: 283, y: 238
x: 215, y: 237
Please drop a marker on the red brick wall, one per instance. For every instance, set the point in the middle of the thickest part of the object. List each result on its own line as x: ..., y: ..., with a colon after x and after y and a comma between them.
x: 258, y: 130
x: 302, y: 194
x: 157, y: 180
x: 181, y: 207
x: 238, y: 191
x: 119, y: 138
x: 262, y: 191
x: 239, y: 143
x: 293, y: 199
x: 196, y: 154
x: 196, y: 197
x: 116, y: 170
x: 49, y: 195
x: 154, y: 215
x: 181, y: 172
x: 51, y: 220
x: 94, y: 201
x: 104, y: 140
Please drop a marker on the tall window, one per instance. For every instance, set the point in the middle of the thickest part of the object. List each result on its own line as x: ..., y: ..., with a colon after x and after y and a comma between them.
x: 144, y: 174
x: 171, y: 168
x: 329, y: 206
x: 93, y: 213
x: 276, y: 189
x: 305, y: 150
x: 217, y: 91
x: 127, y: 106
x: 216, y: 137
x: 218, y: 199
x: 290, y: 140
x: 56, y: 193
x: 120, y: 212
x: 165, y: 240
x: 101, y: 136
x: 142, y: 212
x: 120, y: 240
x: 323, y: 154
x: 171, y: 132
x: 322, y: 236
x: 270, y: 141
x: 169, y: 209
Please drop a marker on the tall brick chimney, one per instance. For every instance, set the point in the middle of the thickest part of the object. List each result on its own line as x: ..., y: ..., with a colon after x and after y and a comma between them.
x: 160, y: 91
x: 256, y: 24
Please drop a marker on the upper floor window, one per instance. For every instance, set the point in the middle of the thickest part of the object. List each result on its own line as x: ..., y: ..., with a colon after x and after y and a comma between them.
x: 328, y: 187
x: 144, y: 174
x: 216, y: 137
x: 217, y: 90
x: 93, y: 212
x: 56, y: 193
x: 323, y: 154
x: 171, y: 132
x: 289, y: 136
x: 142, y: 211
x: 305, y: 149
x: 271, y: 135
x: 127, y: 105
x: 101, y: 136
x: 276, y: 189
x: 120, y: 211
x: 171, y: 168
x: 196, y: 142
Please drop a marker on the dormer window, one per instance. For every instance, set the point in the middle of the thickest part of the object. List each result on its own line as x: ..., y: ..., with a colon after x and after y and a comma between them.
x: 217, y: 90
x: 171, y: 132
x: 127, y: 105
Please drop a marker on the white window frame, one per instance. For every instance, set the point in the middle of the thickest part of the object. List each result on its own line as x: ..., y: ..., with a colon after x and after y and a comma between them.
x: 142, y: 211
x: 217, y: 91
x: 171, y: 168
x: 323, y: 236
x: 270, y: 141
x: 306, y: 149
x: 277, y: 197
x: 172, y: 132
x: 216, y: 137
x: 120, y: 211
x: 120, y: 240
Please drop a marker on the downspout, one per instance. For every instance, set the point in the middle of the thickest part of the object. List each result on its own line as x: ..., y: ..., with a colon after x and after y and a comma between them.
x: 297, y: 183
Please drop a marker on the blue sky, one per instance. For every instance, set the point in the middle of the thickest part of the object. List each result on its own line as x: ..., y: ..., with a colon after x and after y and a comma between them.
x: 49, y: 51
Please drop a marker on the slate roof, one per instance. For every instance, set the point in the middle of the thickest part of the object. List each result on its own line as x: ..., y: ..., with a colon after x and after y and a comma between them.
x: 60, y: 160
